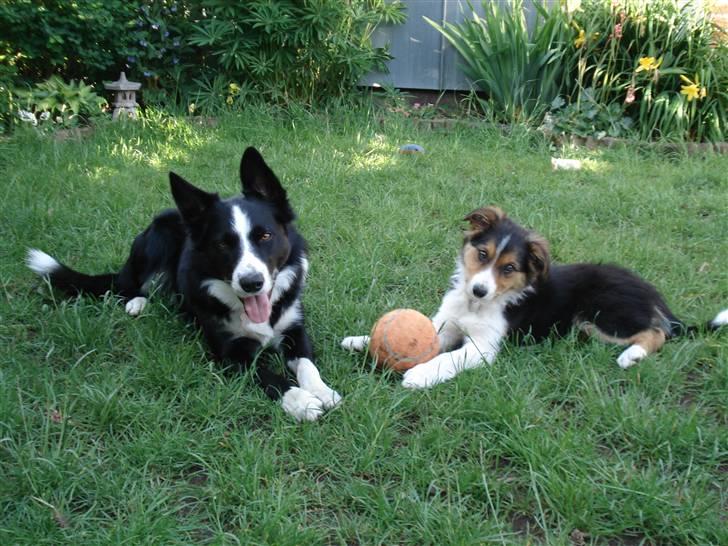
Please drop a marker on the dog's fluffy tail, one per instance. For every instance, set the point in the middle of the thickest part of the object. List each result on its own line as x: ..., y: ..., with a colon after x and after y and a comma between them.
x: 66, y: 279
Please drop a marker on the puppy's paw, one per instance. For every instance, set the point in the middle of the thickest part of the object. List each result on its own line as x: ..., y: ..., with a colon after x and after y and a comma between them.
x: 355, y: 343
x: 135, y: 306
x: 302, y: 405
x: 630, y: 356
x: 426, y: 375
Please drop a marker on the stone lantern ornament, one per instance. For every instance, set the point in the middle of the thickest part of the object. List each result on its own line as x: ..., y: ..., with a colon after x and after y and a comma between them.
x: 125, y: 97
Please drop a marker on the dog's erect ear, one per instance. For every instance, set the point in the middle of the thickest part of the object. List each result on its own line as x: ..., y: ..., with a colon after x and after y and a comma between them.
x: 484, y: 218
x: 259, y: 181
x: 539, y: 257
x: 192, y: 202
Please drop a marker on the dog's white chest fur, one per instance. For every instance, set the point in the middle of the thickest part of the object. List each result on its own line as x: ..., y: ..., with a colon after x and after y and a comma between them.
x: 238, y: 323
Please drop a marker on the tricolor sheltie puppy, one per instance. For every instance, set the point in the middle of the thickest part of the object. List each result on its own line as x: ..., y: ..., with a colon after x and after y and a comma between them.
x: 239, y: 266
x: 505, y: 284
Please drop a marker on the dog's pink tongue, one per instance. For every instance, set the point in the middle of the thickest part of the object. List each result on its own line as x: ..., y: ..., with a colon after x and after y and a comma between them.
x: 257, y: 307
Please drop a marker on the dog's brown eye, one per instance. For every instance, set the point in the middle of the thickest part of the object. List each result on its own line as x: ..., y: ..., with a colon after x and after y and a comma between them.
x: 266, y: 236
x: 483, y: 255
x: 508, y: 269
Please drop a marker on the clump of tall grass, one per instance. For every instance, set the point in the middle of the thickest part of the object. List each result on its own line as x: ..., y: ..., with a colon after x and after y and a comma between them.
x: 520, y: 70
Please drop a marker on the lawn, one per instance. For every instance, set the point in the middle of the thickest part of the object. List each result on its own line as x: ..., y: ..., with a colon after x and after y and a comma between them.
x: 117, y: 429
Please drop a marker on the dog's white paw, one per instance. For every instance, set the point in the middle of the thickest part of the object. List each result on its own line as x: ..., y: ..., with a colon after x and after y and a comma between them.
x: 355, y: 343
x: 426, y: 375
x: 302, y: 405
x: 328, y: 396
x: 310, y: 380
x: 135, y: 306
x: 630, y: 356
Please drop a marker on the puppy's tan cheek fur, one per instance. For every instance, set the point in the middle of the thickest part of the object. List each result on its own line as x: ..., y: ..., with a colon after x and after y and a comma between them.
x: 514, y: 282
x: 471, y: 260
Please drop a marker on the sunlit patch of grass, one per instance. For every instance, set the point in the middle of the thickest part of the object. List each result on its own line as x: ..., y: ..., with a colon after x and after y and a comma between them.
x: 117, y: 429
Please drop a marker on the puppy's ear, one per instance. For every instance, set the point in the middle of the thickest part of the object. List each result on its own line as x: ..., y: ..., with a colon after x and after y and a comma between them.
x: 539, y: 257
x: 259, y: 181
x: 192, y: 202
x: 484, y: 218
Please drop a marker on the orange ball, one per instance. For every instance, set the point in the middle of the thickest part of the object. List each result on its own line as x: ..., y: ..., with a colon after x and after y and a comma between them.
x: 402, y: 339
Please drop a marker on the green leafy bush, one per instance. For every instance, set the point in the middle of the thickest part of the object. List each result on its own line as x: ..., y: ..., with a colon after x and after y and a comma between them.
x: 291, y: 49
x: 588, y: 118
x: 79, y: 39
x: 58, y: 102
x: 285, y: 49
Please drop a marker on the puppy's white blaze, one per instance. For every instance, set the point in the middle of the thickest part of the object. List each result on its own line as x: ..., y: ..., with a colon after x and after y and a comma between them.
x: 721, y: 318
x: 501, y: 245
x: 301, y: 404
x: 41, y: 263
x: 631, y: 355
x: 249, y: 262
x: 487, y: 280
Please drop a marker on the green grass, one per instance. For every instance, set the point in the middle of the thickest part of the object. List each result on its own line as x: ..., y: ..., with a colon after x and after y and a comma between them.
x: 114, y: 429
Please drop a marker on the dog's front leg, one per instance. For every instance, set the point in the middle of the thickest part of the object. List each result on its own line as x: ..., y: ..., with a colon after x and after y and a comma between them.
x: 299, y: 358
x: 301, y: 404
x: 445, y: 366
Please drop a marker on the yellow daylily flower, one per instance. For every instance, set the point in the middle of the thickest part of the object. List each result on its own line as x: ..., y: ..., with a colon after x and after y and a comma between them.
x: 648, y: 63
x: 580, y: 39
x: 692, y: 90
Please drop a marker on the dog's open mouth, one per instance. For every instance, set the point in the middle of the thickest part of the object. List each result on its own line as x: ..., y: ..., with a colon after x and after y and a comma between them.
x: 257, y: 308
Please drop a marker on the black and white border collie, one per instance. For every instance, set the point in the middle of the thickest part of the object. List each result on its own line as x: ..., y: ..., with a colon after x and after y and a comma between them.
x: 504, y: 284
x: 239, y: 266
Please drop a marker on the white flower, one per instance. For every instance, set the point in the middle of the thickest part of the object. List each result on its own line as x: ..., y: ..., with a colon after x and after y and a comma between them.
x: 45, y: 116
x: 28, y: 117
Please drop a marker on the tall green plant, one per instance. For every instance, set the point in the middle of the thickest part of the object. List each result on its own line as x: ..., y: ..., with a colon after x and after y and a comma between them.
x: 519, y: 69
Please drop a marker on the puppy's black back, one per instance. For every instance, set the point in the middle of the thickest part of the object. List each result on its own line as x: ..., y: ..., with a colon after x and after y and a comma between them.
x: 617, y: 301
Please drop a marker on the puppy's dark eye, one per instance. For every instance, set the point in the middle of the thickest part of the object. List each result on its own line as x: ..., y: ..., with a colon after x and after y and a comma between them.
x: 482, y: 255
x: 222, y: 245
x: 508, y: 269
x: 265, y: 236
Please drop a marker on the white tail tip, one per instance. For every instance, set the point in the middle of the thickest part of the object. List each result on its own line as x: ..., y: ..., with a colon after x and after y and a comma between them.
x: 40, y: 262
x: 721, y: 318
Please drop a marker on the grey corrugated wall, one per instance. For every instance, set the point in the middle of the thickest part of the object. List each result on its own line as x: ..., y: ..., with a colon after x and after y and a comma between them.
x: 423, y: 59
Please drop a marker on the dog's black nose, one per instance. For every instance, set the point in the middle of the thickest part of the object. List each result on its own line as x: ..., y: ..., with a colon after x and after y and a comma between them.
x: 480, y: 291
x: 251, y: 283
